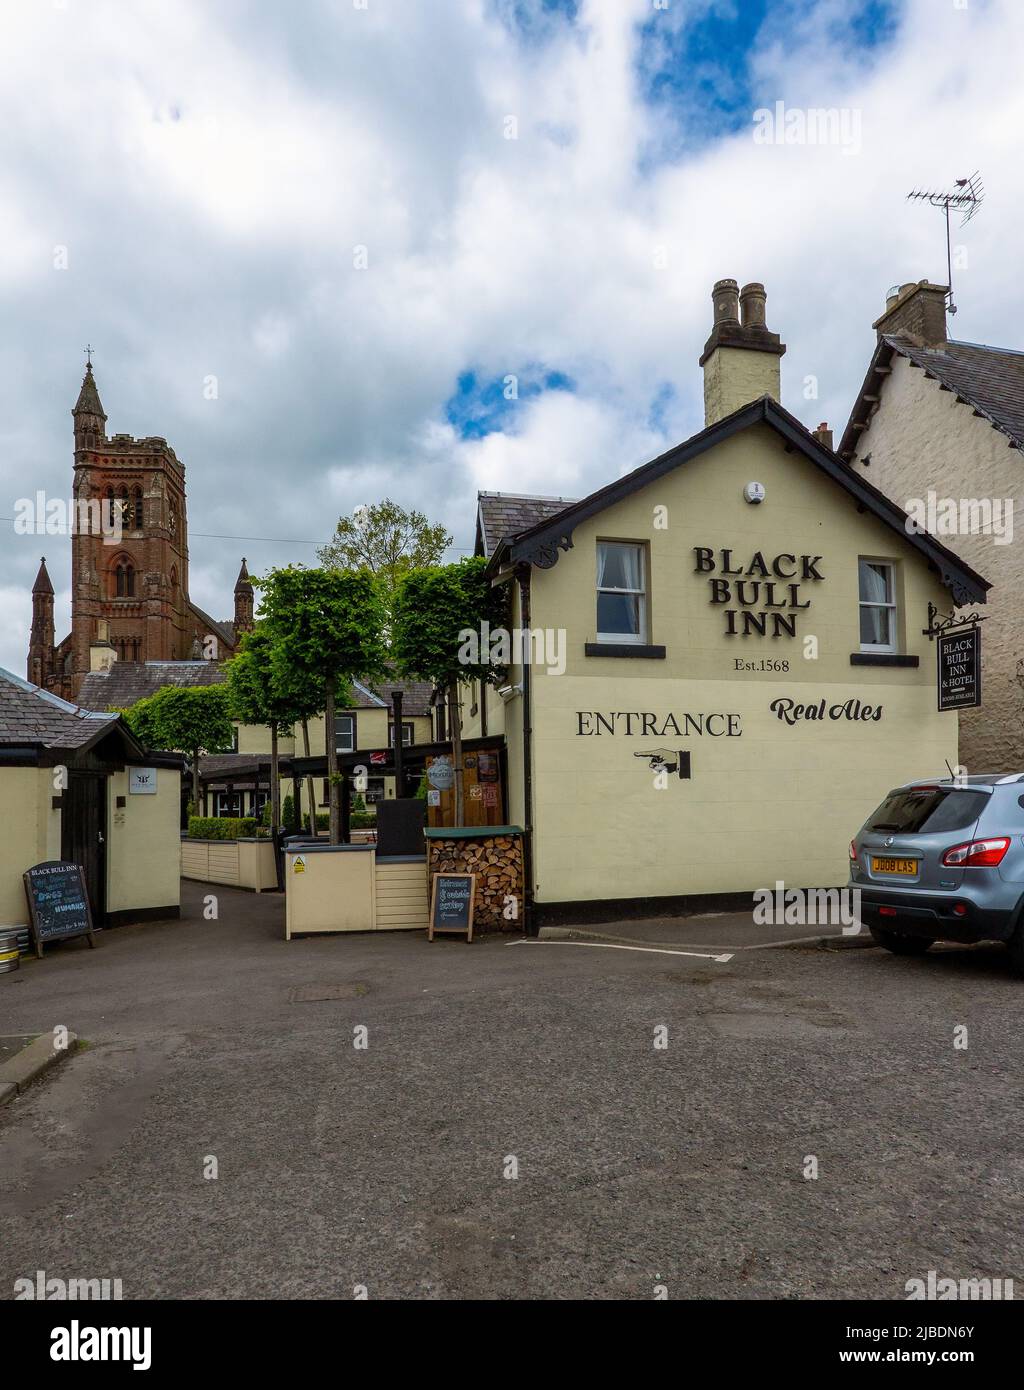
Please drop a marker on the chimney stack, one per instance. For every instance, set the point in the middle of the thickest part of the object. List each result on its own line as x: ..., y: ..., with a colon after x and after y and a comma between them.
x: 823, y: 434
x: 741, y: 357
x: 916, y: 312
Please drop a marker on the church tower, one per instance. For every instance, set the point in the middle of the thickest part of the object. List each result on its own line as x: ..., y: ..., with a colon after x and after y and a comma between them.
x: 129, y: 563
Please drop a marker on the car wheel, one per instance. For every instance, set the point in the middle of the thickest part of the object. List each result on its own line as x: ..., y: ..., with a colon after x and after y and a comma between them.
x: 901, y: 945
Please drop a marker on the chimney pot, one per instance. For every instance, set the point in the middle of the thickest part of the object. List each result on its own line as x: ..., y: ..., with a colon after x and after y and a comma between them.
x: 726, y: 299
x: 752, y: 302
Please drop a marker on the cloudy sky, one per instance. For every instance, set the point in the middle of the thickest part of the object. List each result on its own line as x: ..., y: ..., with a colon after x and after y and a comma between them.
x: 362, y: 216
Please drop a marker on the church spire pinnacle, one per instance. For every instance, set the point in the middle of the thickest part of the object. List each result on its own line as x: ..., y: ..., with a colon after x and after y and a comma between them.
x: 89, y: 416
x: 243, y: 600
x: 42, y: 584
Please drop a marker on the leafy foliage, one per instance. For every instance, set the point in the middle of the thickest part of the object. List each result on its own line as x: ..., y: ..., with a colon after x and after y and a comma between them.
x: 432, y: 608
x: 388, y: 541
x: 325, y: 624
x: 254, y: 695
x: 191, y: 719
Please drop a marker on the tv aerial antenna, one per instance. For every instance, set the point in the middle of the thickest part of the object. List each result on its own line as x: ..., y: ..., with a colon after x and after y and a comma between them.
x: 966, y: 197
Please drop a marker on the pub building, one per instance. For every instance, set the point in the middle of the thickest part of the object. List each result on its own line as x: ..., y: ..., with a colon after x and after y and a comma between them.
x: 745, y: 670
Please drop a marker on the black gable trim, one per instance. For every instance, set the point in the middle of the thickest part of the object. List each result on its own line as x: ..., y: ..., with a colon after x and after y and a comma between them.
x: 540, y: 545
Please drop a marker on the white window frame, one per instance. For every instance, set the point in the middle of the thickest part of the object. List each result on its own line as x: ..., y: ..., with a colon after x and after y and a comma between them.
x: 408, y: 733
x: 617, y: 638
x: 340, y: 721
x: 881, y: 648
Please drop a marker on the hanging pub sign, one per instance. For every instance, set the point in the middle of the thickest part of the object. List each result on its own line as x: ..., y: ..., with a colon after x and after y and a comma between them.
x: 58, y: 903
x: 959, y: 668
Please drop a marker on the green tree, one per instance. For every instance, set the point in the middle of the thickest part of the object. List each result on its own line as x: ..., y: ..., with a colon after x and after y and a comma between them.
x: 191, y: 719
x: 254, y: 698
x: 388, y: 541
x: 434, y: 610
x: 328, y: 630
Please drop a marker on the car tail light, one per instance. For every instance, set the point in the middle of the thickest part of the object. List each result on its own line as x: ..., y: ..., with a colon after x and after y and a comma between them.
x: 887, y: 911
x: 976, y: 854
x: 853, y: 852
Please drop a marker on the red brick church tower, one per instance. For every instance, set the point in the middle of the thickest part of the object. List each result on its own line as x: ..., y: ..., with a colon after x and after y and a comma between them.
x: 129, y: 592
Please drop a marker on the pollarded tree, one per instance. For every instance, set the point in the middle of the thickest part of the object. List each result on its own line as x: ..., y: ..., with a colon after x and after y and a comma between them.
x: 254, y: 698
x: 328, y: 630
x: 435, y: 610
x: 191, y: 719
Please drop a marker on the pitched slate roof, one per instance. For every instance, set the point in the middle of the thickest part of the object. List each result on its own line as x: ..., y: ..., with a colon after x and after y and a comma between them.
x: 541, y: 544
x: 989, y: 379
x: 30, y: 716
x: 416, y: 695
x: 127, y: 682
x: 501, y: 514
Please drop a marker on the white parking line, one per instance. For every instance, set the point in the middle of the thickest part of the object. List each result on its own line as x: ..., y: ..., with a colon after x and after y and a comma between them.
x: 611, y: 946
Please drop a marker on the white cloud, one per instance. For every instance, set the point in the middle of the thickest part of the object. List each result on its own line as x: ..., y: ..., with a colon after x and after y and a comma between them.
x: 211, y: 168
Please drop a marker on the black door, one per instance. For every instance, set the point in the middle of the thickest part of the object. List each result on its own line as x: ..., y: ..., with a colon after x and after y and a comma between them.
x: 84, y: 833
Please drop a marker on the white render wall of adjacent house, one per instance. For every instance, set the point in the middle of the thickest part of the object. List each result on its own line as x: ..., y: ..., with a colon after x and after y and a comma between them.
x: 919, y: 439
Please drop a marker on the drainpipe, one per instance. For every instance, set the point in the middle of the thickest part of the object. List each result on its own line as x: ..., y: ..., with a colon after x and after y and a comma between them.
x: 523, y: 576
x: 396, y: 700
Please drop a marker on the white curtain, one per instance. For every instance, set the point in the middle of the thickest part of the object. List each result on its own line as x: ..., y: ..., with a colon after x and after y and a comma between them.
x: 874, y: 583
x: 618, y: 567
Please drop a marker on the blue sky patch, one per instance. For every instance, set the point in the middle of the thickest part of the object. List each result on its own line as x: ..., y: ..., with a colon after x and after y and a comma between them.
x: 698, y: 74
x: 481, y: 407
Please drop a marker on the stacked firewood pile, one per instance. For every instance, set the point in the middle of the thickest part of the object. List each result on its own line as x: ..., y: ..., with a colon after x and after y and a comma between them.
x: 497, y: 862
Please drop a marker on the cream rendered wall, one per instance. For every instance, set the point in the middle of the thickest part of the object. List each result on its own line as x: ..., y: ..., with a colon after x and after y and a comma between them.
x: 513, y: 723
x: 255, y: 738
x: 31, y: 835
x: 777, y: 802
x: 737, y: 376
x: 472, y: 724
x: 144, y: 844
x: 920, y: 438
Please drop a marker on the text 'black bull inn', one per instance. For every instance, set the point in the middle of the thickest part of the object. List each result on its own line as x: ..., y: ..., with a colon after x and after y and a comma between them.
x: 768, y: 585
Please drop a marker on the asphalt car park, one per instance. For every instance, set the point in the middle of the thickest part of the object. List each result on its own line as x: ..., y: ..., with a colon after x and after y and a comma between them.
x: 512, y: 1119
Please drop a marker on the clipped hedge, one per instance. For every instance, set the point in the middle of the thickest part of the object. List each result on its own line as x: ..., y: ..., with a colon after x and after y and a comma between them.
x: 358, y: 820
x: 221, y: 827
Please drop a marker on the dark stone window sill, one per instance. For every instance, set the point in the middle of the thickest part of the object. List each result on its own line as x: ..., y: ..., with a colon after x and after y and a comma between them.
x: 623, y: 649
x: 883, y: 659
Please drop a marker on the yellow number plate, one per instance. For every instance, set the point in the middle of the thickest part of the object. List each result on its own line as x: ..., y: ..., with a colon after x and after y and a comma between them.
x: 893, y: 866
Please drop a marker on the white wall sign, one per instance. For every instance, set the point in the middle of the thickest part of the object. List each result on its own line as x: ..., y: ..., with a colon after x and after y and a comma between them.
x: 142, y: 781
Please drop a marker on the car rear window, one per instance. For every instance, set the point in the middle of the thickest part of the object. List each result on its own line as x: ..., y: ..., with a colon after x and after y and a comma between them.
x: 917, y: 810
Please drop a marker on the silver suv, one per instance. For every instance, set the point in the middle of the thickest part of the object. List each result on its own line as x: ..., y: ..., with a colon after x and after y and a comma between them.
x: 944, y: 860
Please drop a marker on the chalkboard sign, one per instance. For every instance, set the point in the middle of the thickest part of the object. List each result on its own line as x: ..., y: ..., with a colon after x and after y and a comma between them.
x: 451, y: 904
x: 959, y: 662
x: 58, y: 903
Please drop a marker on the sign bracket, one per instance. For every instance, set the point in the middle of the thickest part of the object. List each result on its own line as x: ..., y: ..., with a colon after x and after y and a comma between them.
x: 938, y: 623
